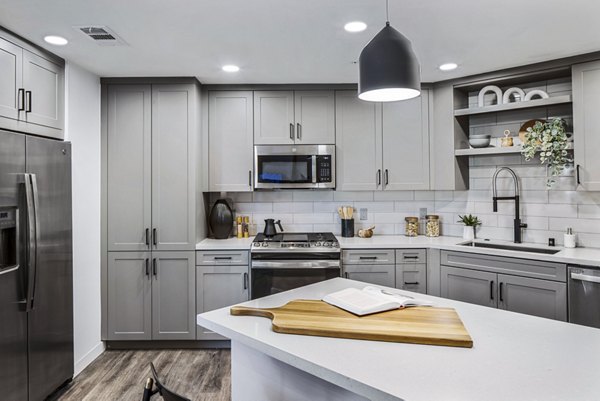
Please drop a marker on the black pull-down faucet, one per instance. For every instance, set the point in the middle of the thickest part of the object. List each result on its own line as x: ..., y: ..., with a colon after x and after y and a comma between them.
x: 517, y: 222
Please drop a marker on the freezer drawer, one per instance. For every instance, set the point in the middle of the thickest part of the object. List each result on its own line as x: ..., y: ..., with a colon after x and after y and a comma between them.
x: 584, y: 296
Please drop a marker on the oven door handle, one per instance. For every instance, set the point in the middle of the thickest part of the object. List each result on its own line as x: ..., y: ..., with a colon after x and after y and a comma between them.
x: 295, y: 264
x: 585, y: 277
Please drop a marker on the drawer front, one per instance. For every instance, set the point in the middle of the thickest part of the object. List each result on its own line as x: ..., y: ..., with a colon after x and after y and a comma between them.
x: 204, y: 258
x: 501, y: 264
x: 372, y: 274
x: 412, y: 277
x: 368, y: 257
x: 411, y: 256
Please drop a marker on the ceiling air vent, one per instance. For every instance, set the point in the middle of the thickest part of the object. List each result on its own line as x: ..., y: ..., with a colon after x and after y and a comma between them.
x: 101, y: 35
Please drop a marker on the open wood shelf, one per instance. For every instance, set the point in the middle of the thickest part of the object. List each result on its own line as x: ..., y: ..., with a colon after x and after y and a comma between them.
x: 515, y: 106
x: 493, y: 150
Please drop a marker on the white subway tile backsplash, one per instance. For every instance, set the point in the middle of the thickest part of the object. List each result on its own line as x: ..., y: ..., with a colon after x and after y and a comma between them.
x: 313, y: 196
x: 272, y: 196
x: 588, y: 211
x: 395, y: 195
x: 579, y: 225
x: 577, y: 197
x: 424, y: 195
x: 353, y: 196
x: 246, y: 207
x: 387, y: 207
x: 303, y: 218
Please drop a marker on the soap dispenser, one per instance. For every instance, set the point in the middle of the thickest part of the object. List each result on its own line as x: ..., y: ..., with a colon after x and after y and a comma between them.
x: 570, y: 239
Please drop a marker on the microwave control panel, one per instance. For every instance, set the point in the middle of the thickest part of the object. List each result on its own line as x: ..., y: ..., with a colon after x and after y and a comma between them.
x: 324, y: 168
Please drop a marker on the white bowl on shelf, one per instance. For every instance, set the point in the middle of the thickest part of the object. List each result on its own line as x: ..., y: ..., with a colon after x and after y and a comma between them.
x: 480, y: 141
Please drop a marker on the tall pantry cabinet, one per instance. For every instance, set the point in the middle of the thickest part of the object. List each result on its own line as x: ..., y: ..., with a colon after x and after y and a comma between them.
x: 151, y: 153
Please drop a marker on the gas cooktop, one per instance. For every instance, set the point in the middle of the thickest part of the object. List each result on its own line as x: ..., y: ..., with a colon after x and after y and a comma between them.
x: 296, y: 241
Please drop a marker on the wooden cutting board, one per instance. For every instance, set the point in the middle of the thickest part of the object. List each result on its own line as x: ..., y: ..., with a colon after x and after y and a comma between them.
x: 417, y: 325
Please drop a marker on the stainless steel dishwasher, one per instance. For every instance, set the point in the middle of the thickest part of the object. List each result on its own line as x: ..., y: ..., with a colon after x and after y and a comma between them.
x: 584, y: 295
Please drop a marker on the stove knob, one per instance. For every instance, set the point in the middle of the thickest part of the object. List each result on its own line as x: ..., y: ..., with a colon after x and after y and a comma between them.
x: 327, y: 244
x: 264, y: 244
x: 319, y: 243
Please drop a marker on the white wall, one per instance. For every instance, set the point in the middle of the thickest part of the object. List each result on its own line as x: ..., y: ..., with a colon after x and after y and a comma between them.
x: 83, y: 130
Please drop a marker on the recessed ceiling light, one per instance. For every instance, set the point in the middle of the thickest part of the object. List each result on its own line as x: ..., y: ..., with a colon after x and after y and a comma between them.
x: 231, y: 68
x: 448, y: 66
x: 56, y: 40
x: 355, y: 26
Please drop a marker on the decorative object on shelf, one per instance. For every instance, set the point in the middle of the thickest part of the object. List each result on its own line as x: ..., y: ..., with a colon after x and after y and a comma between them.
x: 527, y: 124
x: 366, y: 233
x: 471, y: 222
x: 388, y: 67
x: 507, y: 141
x: 432, y: 226
x: 536, y: 93
x: 517, y: 93
x: 551, y: 140
x: 569, y: 239
x: 485, y: 90
x: 220, y: 219
x: 480, y: 141
x: 412, y: 226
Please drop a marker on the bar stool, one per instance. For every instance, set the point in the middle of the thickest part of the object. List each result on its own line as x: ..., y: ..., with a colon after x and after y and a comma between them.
x: 164, y: 392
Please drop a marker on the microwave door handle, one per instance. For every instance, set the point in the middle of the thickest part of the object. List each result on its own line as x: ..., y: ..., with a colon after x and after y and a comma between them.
x: 314, y: 169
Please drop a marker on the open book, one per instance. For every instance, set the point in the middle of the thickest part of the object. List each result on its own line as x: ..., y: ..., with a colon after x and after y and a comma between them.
x: 371, y: 300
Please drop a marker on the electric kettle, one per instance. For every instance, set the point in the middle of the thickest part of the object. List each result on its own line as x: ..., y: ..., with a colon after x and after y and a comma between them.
x: 270, y: 229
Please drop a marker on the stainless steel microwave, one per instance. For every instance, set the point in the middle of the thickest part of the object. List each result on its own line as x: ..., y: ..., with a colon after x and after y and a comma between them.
x: 294, y: 166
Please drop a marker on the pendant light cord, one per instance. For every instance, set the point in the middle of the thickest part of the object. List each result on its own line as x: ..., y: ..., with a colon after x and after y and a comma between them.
x: 387, y: 12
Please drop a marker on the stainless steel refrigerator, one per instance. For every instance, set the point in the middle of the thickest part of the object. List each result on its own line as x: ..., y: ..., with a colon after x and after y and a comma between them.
x: 36, y: 280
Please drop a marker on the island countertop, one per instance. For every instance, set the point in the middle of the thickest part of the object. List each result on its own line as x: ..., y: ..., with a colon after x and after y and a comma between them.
x: 514, y: 357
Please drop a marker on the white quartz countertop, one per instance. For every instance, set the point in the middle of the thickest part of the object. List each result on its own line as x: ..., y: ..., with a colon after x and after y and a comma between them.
x: 580, y: 256
x: 515, y: 357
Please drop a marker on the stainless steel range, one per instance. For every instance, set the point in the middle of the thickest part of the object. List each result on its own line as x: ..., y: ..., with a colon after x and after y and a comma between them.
x: 286, y: 261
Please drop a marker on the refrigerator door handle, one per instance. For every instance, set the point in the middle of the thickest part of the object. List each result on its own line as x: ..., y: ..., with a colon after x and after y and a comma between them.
x: 31, y: 242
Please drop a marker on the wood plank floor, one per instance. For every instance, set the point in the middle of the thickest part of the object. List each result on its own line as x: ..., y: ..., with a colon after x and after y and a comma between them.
x: 202, y: 375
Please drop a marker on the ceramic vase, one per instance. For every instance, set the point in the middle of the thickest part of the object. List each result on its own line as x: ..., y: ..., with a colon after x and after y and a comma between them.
x: 468, y: 233
x: 220, y: 219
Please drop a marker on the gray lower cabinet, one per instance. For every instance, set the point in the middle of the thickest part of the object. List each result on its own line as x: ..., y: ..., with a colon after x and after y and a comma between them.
x: 173, y: 296
x: 531, y: 296
x: 472, y: 286
x: 219, y: 286
x: 412, y: 277
x: 372, y: 274
x: 151, y: 296
x: 129, y: 285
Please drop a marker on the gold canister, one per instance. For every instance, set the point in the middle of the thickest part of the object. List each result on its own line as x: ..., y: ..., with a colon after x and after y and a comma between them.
x: 432, y: 226
x: 412, y: 226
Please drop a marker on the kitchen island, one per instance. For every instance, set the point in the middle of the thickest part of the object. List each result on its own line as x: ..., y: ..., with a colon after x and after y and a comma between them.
x: 514, y: 357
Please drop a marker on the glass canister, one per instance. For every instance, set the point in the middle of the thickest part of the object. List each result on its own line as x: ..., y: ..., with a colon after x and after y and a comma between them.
x: 412, y: 226
x: 432, y: 226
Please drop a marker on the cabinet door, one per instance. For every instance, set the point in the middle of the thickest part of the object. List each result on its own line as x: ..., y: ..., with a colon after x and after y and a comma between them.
x: 129, y: 167
x: 406, y: 144
x: 174, y: 113
x: 129, y: 296
x: 218, y: 287
x: 173, y: 296
x: 230, y: 141
x: 533, y: 297
x: 372, y: 274
x: 412, y: 277
x: 472, y: 286
x: 44, y: 82
x: 315, y: 117
x: 586, y: 124
x: 358, y: 143
x: 274, y: 118
x: 11, y: 79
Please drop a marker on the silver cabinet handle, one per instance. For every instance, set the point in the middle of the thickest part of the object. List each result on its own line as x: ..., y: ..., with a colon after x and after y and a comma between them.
x: 585, y: 277
x: 299, y: 131
x: 291, y: 131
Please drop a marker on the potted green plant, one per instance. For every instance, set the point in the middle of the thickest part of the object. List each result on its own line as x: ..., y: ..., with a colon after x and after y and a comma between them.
x: 550, y: 139
x: 470, y: 222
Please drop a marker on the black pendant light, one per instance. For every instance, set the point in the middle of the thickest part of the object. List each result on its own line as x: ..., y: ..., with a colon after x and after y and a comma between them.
x: 388, y: 68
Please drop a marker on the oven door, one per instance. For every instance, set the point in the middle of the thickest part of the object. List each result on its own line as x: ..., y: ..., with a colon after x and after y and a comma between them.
x: 269, y: 277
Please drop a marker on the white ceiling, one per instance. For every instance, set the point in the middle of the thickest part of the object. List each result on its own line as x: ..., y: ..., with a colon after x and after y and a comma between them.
x: 303, y: 41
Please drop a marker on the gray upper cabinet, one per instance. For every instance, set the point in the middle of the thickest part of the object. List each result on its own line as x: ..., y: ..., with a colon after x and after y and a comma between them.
x: 358, y: 143
x: 315, y: 117
x: 586, y: 124
x: 471, y: 286
x: 531, y: 296
x: 129, y: 167
x: 230, y: 133
x: 11, y: 78
x: 373, y: 274
x: 173, y: 166
x: 173, y: 296
x: 129, y: 313
x: 274, y: 122
x: 406, y: 144
x: 218, y: 287
x: 43, y: 81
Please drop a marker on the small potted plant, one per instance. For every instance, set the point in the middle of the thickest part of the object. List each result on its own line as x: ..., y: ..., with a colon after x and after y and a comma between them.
x: 551, y: 140
x: 470, y: 222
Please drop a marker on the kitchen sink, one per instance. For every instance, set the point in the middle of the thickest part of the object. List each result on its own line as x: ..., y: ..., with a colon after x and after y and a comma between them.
x: 511, y: 247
